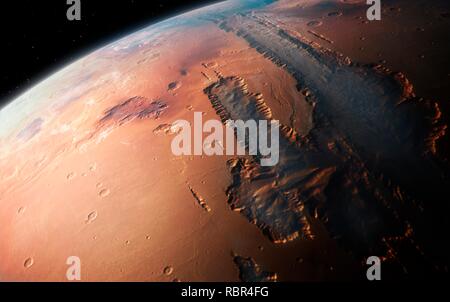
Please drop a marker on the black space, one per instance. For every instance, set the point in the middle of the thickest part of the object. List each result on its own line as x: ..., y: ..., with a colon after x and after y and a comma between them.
x: 37, y: 38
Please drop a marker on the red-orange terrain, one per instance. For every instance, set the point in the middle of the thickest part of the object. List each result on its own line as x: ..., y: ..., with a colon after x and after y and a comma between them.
x: 86, y: 167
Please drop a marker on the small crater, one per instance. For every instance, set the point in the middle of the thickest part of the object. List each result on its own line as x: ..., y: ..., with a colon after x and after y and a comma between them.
x: 184, y: 72
x: 128, y: 242
x: 71, y: 176
x: 91, y: 217
x: 168, y: 270
x: 173, y: 86
x: 210, y: 65
x: 28, y: 262
x: 314, y: 23
x: 103, y: 193
x: 21, y: 210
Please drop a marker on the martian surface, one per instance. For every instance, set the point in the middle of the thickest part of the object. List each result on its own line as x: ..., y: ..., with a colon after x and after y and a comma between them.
x: 86, y: 168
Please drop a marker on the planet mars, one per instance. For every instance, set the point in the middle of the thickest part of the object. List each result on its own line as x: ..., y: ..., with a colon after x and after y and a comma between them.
x: 86, y: 168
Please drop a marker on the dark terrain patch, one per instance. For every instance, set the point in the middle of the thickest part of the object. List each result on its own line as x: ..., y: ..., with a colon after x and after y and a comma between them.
x: 137, y: 107
x: 250, y: 271
x: 31, y: 130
